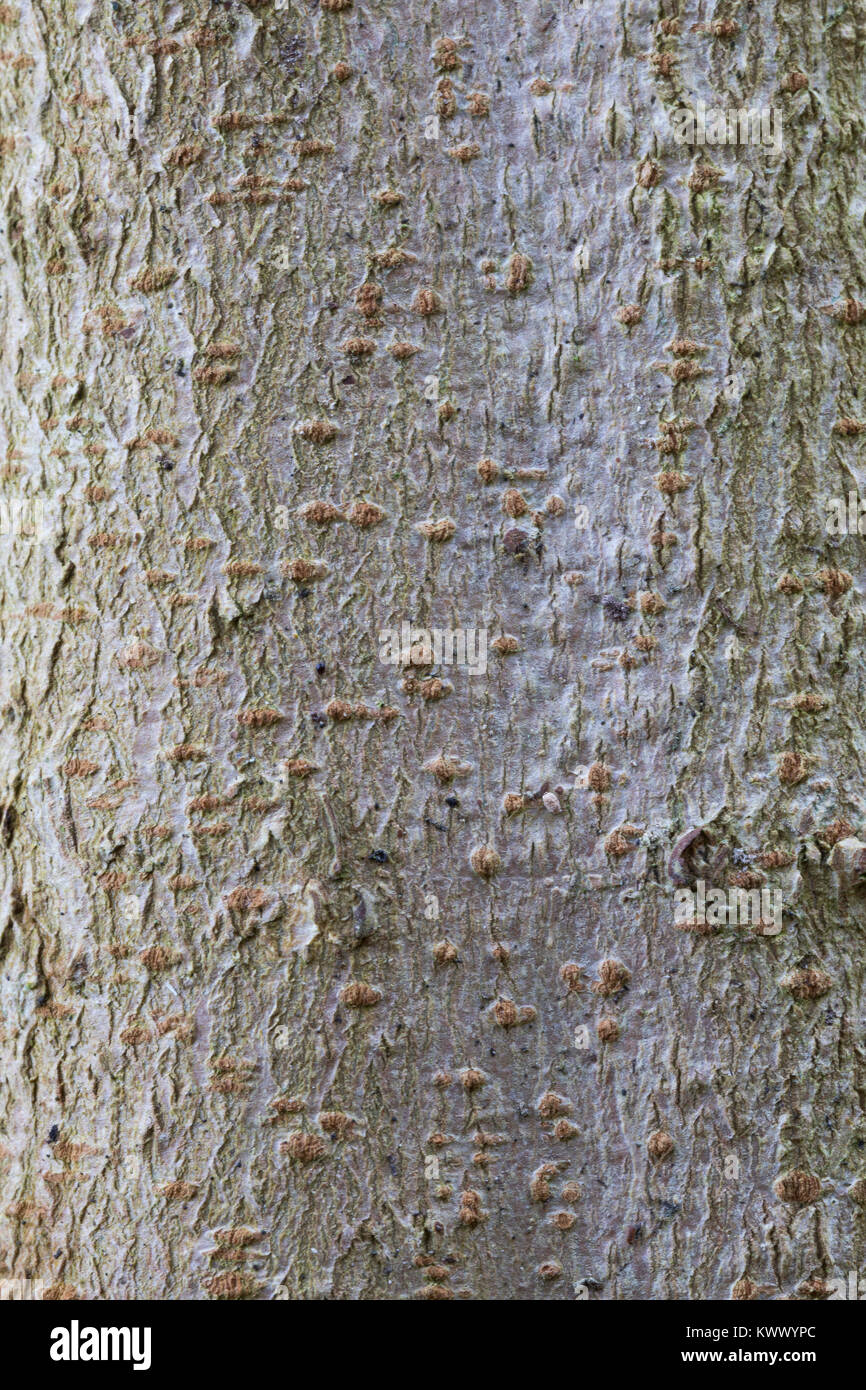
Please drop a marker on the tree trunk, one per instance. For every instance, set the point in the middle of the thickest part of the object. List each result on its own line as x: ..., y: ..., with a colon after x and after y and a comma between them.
x: 335, y: 969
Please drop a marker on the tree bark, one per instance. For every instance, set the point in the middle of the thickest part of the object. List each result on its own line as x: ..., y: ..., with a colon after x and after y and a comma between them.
x: 326, y: 978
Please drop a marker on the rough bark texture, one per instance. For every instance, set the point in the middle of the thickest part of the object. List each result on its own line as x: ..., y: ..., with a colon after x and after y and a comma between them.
x: 192, y: 1105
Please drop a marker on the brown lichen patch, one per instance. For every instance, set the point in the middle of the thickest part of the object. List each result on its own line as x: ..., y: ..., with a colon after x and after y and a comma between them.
x: 287, y: 1105
x: 337, y: 1123
x: 621, y: 841
x: 485, y: 861
x: 505, y: 644
x: 321, y: 513
x: 551, y: 1105
x: 684, y: 371
x: 514, y: 504
x: 209, y: 802
x: 368, y: 298
x: 539, y: 1183
x: 797, y: 1187
x: 470, y: 1212
x: 629, y: 314
x: 807, y: 984
x: 231, y: 1284
x: 182, y: 156
x: 598, y: 778
x: 793, y: 768
x: 519, y: 274
x: 775, y: 859
x: 203, y: 37
x: 359, y: 995
x: 834, y: 582
x: 438, y: 531
x: 506, y: 1013
x: 341, y: 711
x: 304, y: 1148
x: 237, y: 1236
x: 215, y: 374
x: 607, y: 1030
x: 112, y: 879
x: 790, y: 584
x: 106, y: 540
x: 659, y: 1145
x: 139, y: 657
x: 837, y: 830
x: 401, y: 351
x: 156, y: 832
x: 744, y: 1290
x: 182, y: 1027
x: 849, y: 311
x: 464, y: 154
x: 808, y: 702
x: 300, y: 767
x: 746, y: 878
x: 359, y: 347
x: 432, y: 689
x: 304, y: 571
x: 426, y: 302
x: 648, y: 173
x: 848, y: 426
x: 242, y: 569
x: 178, y: 1191
x: 444, y: 952
x: 262, y: 717
x: 26, y: 1211
x: 613, y: 977
x: 365, y: 514
x: 180, y: 883
x: 857, y: 1192
x: 571, y: 975
x: 317, y: 431
x: 157, y: 958
x: 651, y: 604
x: 487, y: 470
x: 61, y: 1293
x: 704, y: 177
x: 246, y: 899
x: 478, y: 104
x: 310, y: 148
x: 156, y: 278
x: 79, y: 767
x: 186, y: 753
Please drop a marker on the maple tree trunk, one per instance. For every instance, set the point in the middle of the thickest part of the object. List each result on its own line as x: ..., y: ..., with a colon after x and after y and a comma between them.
x: 325, y: 978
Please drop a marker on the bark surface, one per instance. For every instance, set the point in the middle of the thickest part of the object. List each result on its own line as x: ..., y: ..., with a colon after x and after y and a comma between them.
x: 275, y: 281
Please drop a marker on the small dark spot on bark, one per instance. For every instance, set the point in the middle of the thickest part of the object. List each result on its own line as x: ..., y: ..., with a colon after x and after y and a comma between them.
x: 616, y: 609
